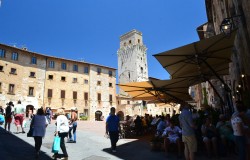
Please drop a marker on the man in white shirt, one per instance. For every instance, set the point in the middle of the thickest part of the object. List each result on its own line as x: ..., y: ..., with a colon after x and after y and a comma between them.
x: 171, y: 134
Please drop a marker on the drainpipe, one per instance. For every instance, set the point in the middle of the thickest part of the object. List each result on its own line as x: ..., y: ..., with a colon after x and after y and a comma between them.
x: 45, y: 69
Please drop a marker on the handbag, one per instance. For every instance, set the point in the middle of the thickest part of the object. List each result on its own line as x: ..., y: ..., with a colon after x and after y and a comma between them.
x: 56, y: 144
x: 30, y: 132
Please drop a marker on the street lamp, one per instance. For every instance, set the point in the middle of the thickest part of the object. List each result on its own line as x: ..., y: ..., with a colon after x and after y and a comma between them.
x: 228, y: 24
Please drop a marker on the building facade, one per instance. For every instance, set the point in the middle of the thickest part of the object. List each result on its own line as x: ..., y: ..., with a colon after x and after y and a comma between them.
x: 41, y: 80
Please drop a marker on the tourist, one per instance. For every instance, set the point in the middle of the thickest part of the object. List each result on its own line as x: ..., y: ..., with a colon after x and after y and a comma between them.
x: 1, y: 118
x: 161, y: 126
x: 138, y: 125
x: 39, y: 123
x: 73, y: 125
x: 188, y: 133
x: 19, y: 112
x: 48, y: 114
x: 172, y: 135
x: 113, y: 128
x: 225, y: 132
x: 239, y: 129
x: 62, y: 129
x: 209, y: 137
x: 9, y: 110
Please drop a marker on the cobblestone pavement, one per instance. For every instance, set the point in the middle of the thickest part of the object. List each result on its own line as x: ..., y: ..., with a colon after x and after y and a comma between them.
x: 91, y: 145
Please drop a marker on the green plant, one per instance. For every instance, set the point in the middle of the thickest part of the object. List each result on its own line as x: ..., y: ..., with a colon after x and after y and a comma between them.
x: 84, y: 118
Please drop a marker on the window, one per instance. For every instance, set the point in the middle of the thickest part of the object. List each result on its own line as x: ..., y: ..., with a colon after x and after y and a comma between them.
x: 110, y: 98
x: 130, y: 41
x: 32, y: 74
x: 128, y: 102
x: 99, y: 97
x: 99, y: 70
x: 50, y: 77
x: 139, y: 41
x: 141, y: 70
x: 86, y: 70
x: 74, y: 80
x: 1, y: 68
x: 51, y: 64
x: 14, y: 56
x: 50, y: 93
x: 62, y: 93
x: 75, y: 67
x: 86, y: 112
x: 0, y: 87
x: 110, y: 73
x: 11, y: 88
x: 64, y: 66
x: 63, y: 78
x: 86, y: 96
x: 110, y: 85
x: 86, y: 81
x: 2, y: 53
x: 74, y: 95
x: 33, y: 60
x: 31, y: 91
x: 13, y: 71
x: 98, y: 83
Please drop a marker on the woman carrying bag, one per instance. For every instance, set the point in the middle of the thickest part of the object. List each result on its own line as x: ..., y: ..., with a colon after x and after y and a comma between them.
x: 38, y: 125
x: 62, y: 129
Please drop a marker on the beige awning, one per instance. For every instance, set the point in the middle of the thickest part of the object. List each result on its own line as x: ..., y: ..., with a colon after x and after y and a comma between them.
x: 163, y: 90
x: 207, y: 57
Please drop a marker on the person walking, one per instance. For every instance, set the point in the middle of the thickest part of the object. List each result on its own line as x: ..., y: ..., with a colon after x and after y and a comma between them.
x: 19, y: 113
x: 8, y: 115
x: 62, y: 129
x: 113, y: 128
x: 188, y: 133
x: 39, y: 124
x: 73, y: 124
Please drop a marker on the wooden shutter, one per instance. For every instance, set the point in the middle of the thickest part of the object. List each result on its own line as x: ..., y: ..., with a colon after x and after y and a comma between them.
x: 62, y: 93
x: 49, y: 93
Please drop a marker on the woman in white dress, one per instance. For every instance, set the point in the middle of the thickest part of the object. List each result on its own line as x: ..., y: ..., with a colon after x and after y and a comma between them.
x: 39, y: 124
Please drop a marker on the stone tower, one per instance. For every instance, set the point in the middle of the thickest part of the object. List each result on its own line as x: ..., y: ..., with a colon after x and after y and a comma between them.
x: 132, y: 58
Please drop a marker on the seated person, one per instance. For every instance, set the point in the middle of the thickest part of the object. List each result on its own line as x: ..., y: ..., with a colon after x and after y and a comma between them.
x: 161, y: 126
x: 209, y: 136
x: 225, y: 130
x: 172, y: 135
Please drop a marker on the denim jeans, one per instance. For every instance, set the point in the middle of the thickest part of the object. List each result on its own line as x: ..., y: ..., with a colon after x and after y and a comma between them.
x: 74, y: 131
x: 240, y: 142
x: 114, y: 136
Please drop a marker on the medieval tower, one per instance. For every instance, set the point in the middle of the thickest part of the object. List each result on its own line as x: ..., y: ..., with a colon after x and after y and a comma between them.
x: 132, y: 58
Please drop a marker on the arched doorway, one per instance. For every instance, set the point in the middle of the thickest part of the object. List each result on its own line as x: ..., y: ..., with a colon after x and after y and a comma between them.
x: 120, y: 114
x: 98, y: 115
x: 29, y: 110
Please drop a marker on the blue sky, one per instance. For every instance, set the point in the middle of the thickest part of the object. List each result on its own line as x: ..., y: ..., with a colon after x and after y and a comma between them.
x: 90, y: 29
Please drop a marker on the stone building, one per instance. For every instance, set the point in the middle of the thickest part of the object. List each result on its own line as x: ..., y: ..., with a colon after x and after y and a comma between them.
x: 133, y: 67
x: 41, y: 80
x: 236, y: 15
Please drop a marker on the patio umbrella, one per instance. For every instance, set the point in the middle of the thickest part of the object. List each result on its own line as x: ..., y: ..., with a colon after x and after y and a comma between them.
x: 207, y: 55
x: 164, y: 90
x: 200, y: 61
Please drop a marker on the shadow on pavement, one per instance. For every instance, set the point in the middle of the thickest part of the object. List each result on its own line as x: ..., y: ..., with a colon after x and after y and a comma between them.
x: 138, y: 149
x: 14, y: 148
